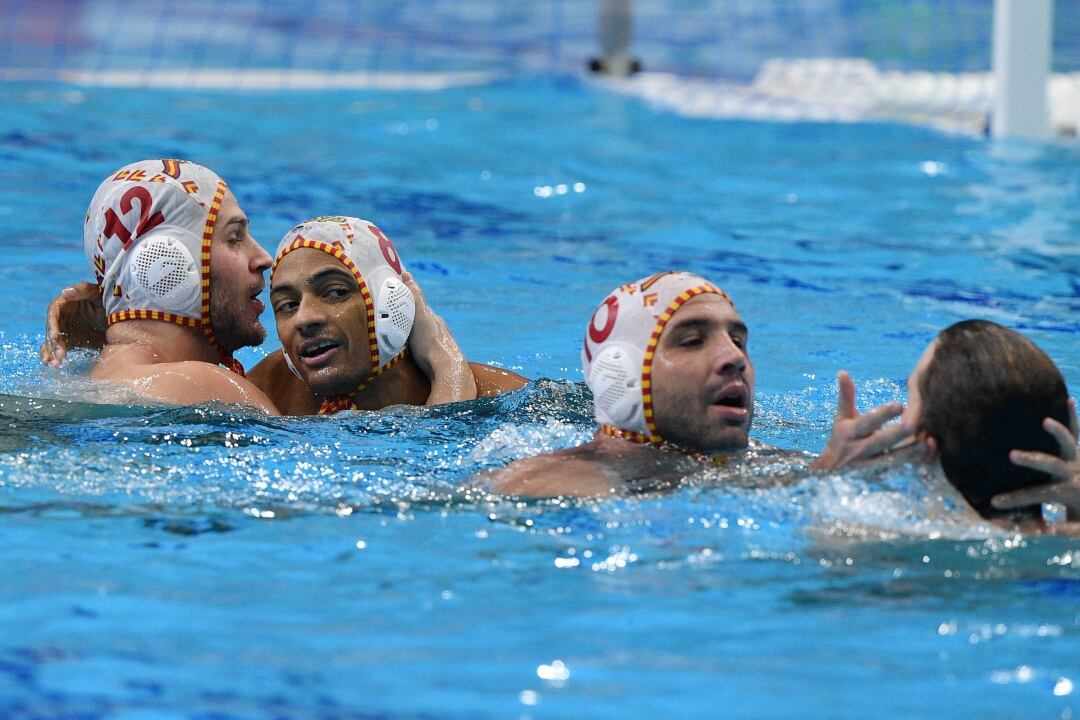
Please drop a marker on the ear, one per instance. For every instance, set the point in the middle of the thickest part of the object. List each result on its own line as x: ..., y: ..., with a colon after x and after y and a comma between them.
x: 931, y: 444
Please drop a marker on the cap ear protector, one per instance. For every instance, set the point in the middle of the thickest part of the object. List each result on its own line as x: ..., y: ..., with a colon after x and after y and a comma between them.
x: 615, y: 380
x: 162, y: 268
x: 395, y: 311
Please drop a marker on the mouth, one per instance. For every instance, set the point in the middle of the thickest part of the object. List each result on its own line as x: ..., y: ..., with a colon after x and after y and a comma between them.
x: 316, y: 353
x: 732, y: 403
x: 254, y: 301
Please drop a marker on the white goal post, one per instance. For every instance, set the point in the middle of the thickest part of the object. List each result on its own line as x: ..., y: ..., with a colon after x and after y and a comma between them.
x: 1023, y: 32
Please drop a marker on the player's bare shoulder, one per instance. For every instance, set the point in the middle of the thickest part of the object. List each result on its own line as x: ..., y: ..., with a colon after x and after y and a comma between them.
x: 183, y: 383
x: 575, y: 472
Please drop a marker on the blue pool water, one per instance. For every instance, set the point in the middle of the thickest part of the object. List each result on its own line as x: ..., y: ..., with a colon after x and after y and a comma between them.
x: 203, y: 563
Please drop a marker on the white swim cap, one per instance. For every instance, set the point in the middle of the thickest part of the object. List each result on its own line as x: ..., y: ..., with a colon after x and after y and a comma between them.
x: 363, y: 248
x: 619, y: 346
x: 147, y: 237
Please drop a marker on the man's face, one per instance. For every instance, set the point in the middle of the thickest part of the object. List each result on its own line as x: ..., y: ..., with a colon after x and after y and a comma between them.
x: 237, y: 264
x: 322, y: 321
x: 702, y: 377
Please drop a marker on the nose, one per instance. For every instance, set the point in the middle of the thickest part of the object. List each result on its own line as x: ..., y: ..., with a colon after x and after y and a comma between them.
x: 729, y: 358
x: 309, y: 317
x: 260, y: 260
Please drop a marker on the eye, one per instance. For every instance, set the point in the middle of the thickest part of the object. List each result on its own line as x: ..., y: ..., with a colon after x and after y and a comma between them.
x: 690, y: 341
x: 337, y: 292
x: 739, y: 341
x: 283, y: 307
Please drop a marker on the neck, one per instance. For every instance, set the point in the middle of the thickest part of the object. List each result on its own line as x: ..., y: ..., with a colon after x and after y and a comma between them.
x: 404, y: 383
x: 165, y: 341
x: 622, y: 441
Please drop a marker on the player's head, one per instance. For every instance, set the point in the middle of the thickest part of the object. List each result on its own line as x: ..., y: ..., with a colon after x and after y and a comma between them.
x: 343, y: 312
x: 979, y: 391
x: 167, y: 241
x: 666, y: 359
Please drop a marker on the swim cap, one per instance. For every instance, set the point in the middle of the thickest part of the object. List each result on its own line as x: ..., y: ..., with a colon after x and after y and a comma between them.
x: 619, y: 345
x: 147, y: 237
x: 362, y: 248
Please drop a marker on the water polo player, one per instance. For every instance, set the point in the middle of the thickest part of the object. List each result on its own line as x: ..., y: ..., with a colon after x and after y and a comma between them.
x: 666, y: 359
x: 344, y: 316
x: 979, y: 392
x: 179, y: 276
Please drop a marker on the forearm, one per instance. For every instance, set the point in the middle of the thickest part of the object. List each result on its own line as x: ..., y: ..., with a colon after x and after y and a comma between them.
x: 450, y: 376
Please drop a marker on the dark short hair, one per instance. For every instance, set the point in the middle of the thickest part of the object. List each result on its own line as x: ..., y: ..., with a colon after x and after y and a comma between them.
x: 984, y: 393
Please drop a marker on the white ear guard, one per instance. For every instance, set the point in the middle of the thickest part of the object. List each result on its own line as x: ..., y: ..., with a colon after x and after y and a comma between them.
x: 615, y: 379
x: 289, y: 363
x: 165, y: 273
x: 395, y: 310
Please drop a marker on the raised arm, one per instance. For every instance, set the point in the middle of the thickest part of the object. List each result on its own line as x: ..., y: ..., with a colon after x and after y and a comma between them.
x: 437, y: 353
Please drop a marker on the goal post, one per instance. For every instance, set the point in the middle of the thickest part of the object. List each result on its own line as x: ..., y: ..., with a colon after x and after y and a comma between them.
x: 1023, y: 31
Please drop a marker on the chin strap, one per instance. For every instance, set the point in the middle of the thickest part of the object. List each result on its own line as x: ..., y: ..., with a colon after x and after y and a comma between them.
x: 226, y: 358
x: 633, y: 436
x: 340, y: 403
x: 656, y: 441
x: 233, y: 364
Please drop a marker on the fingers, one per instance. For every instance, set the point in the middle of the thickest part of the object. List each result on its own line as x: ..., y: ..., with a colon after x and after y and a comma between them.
x: 1043, y: 462
x: 882, y: 440
x: 410, y: 280
x: 46, y: 354
x: 845, y: 395
x: 422, y: 306
x: 866, y: 424
x: 1074, y: 425
x: 1022, y: 498
x: 54, y: 348
x: 1064, y: 437
x: 915, y: 451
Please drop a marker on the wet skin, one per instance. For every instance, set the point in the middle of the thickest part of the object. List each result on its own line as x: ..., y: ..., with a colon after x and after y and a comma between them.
x: 237, y: 266
x: 703, y: 379
x: 322, y: 321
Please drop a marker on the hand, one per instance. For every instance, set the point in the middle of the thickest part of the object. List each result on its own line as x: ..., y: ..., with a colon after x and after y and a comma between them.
x: 437, y: 353
x: 76, y: 318
x: 861, y: 438
x: 1064, y: 470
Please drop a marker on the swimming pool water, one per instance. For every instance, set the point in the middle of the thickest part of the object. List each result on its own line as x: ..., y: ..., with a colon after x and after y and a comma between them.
x: 203, y: 563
